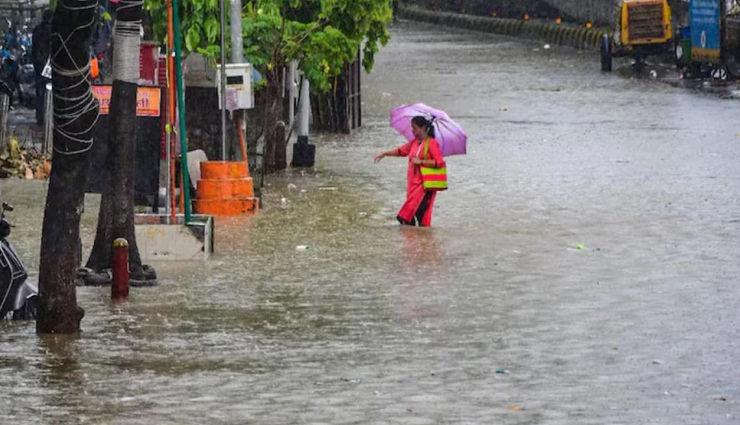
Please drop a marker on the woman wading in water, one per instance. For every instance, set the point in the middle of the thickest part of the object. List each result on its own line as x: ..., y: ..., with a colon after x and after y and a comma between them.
x: 424, y: 151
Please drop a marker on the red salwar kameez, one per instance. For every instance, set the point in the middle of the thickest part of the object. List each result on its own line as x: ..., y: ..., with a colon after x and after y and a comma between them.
x: 419, y: 202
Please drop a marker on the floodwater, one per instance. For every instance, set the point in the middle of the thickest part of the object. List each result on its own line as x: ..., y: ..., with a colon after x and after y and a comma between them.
x: 587, y: 248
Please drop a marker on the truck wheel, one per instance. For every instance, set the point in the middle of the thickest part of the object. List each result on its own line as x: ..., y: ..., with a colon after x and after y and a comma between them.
x: 639, y: 64
x: 605, y: 46
x: 733, y: 66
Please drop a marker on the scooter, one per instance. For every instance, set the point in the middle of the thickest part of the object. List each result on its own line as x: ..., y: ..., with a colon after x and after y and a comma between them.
x: 19, y: 297
x: 17, y: 80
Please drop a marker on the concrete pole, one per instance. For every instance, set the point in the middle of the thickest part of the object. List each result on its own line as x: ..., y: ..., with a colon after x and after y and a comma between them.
x: 304, y: 112
x: 304, y: 153
x: 237, y: 43
x: 237, y: 56
x: 292, y: 73
x: 291, y: 96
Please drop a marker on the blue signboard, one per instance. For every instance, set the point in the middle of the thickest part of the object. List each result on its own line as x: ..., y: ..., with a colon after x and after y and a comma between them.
x: 705, y: 21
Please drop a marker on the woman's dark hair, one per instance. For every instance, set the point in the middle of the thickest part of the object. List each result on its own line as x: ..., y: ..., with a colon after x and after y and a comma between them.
x: 424, y: 123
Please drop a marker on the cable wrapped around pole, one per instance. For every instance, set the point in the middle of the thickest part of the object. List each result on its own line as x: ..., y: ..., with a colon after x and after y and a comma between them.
x: 76, y: 77
x: 127, y: 39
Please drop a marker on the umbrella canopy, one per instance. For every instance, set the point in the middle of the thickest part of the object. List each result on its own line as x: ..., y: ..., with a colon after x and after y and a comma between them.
x: 451, y: 137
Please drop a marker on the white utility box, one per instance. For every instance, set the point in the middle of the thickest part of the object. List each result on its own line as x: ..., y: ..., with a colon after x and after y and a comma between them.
x: 239, y: 93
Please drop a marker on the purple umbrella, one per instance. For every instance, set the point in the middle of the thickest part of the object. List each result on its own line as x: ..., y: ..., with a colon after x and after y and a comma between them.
x: 451, y: 137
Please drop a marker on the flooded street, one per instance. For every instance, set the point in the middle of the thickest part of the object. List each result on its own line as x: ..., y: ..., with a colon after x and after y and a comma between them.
x: 587, y: 248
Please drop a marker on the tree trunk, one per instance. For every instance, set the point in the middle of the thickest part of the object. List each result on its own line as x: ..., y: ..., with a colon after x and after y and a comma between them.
x: 75, y: 112
x: 274, y: 112
x: 281, y: 147
x: 116, y: 216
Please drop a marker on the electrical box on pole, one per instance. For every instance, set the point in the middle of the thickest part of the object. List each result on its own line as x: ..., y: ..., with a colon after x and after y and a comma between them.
x: 239, y: 90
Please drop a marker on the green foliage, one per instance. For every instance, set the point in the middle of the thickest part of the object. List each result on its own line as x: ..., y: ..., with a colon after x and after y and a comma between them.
x: 322, y: 35
x: 200, y: 24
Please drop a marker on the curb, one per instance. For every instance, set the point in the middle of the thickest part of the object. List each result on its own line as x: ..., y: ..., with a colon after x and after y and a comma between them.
x: 576, y: 37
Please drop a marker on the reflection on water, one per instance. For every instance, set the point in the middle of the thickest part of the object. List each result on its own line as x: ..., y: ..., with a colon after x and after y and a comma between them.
x: 373, y: 321
x: 60, y: 375
x: 425, y: 275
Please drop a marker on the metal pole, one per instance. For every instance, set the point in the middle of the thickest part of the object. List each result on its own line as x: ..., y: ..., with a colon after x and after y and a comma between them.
x: 171, y: 117
x: 223, y: 81
x: 185, y: 187
x: 4, y: 111
x: 48, y: 119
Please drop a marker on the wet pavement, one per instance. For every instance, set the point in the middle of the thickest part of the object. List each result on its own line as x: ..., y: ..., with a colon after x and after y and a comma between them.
x: 586, y: 248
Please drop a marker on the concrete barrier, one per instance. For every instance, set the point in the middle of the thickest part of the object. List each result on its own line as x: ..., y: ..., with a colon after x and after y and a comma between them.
x: 565, y: 35
x: 158, y: 240
x: 600, y: 12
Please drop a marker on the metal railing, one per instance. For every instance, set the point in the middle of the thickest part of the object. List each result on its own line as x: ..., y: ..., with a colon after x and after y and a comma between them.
x: 48, y: 142
x: 4, y: 112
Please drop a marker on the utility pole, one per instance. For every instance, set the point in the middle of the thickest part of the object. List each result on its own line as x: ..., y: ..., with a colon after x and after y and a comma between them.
x: 237, y: 56
x: 291, y: 90
x: 304, y: 112
x: 237, y: 43
x: 304, y: 153
x: 224, y: 153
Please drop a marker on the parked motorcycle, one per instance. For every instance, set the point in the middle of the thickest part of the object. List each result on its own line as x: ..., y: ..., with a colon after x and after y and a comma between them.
x: 17, y: 79
x: 19, y: 296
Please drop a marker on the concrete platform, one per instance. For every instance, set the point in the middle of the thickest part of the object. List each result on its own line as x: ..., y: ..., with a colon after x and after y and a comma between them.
x: 159, y: 240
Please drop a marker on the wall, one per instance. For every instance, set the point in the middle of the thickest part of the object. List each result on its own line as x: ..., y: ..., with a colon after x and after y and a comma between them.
x: 603, y: 11
x: 503, y: 8
x: 577, y: 36
x: 597, y: 11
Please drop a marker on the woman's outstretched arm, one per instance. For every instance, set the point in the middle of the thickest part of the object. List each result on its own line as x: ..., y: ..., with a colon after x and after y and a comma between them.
x: 402, y: 151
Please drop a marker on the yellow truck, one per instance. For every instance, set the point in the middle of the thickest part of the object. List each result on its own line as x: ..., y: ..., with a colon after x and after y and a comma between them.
x: 643, y: 28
